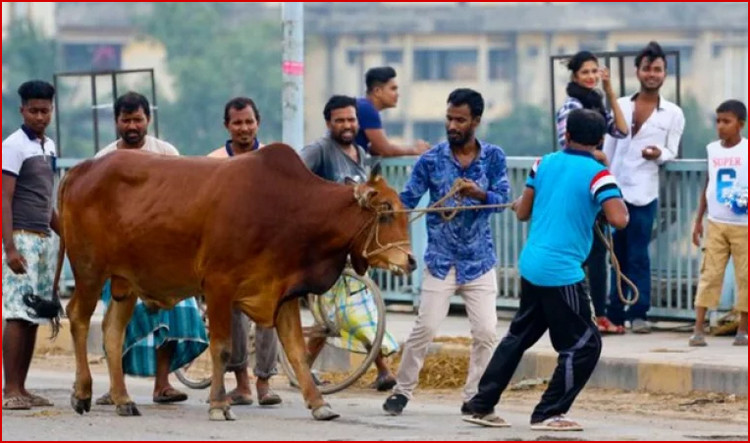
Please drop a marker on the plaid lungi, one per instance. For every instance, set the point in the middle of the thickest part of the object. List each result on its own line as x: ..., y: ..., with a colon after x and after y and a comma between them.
x: 356, y: 316
x: 149, y: 330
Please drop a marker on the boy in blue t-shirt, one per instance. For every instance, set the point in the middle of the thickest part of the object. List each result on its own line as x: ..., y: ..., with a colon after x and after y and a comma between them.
x: 564, y: 192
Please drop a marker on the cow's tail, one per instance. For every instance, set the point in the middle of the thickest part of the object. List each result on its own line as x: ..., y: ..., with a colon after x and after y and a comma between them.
x: 56, y: 323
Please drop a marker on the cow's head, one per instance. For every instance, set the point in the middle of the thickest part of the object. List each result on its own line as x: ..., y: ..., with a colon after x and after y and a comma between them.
x: 383, y: 241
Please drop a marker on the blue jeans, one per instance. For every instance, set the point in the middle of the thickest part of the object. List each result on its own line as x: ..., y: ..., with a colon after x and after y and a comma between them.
x: 631, y: 249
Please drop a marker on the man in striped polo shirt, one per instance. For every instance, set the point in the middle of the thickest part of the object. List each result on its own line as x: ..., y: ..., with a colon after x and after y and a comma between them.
x: 564, y: 193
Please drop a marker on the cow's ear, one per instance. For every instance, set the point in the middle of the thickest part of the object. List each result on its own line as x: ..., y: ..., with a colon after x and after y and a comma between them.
x: 364, y: 194
x: 376, y: 173
x: 359, y: 263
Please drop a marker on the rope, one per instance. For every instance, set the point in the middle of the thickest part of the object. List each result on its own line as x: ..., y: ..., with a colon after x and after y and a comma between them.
x: 609, y: 243
x: 449, y: 213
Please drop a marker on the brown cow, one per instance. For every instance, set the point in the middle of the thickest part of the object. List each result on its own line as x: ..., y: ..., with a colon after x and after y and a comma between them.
x: 254, y: 232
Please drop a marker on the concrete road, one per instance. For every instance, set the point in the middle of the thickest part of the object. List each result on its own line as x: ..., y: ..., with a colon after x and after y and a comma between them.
x: 431, y: 416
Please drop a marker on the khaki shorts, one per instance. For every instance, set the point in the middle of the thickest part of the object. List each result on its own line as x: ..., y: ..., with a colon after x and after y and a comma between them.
x: 722, y: 242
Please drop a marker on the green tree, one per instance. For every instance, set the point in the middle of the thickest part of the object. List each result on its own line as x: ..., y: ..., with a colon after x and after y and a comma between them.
x: 527, y: 131
x: 699, y: 129
x: 212, y: 62
x: 27, y: 54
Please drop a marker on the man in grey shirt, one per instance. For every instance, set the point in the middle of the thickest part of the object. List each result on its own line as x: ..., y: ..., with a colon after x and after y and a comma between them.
x: 336, y: 157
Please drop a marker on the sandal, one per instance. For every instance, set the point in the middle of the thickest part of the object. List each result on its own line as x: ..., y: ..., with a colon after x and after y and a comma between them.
x: 17, y: 403
x: 239, y: 399
x: 556, y: 423
x: 489, y: 420
x: 697, y: 340
x: 740, y: 340
x: 605, y: 326
x: 105, y: 400
x: 37, y: 401
x: 170, y: 395
x: 269, y: 398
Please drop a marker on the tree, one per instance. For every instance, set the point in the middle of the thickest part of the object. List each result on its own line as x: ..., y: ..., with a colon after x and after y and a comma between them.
x: 211, y: 62
x: 699, y: 129
x: 27, y: 54
x: 527, y: 131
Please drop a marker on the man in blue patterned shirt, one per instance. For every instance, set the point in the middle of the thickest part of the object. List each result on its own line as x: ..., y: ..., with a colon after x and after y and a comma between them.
x: 460, y: 254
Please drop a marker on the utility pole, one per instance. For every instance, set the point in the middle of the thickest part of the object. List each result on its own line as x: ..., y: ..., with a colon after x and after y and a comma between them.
x: 293, y: 69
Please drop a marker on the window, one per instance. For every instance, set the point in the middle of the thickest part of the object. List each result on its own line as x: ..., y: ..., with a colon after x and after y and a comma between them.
x: 502, y: 64
x: 353, y: 56
x: 392, y: 56
x: 431, y: 132
x: 591, y: 46
x: 97, y: 57
x: 450, y: 64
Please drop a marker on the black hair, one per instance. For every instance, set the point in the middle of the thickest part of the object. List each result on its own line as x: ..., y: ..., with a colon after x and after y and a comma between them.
x: 131, y: 102
x: 736, y: 107
x: 651, y: 52
x: 239, y: 103
x: 338, y: 102
x: 581, y: 57
x: 36, y: 89
x: 586, y: 127
x: 378, y: 76
x: 470, y: 97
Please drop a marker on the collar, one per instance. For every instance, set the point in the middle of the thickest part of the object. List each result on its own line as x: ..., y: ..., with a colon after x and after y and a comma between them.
x: 228, y: 147
x: 448, y: 152
x: 30, y: 133
x: 571, y: 151
x: 659, y: 106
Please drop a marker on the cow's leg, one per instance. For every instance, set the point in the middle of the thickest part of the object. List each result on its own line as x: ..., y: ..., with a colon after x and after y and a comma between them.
x: 289, y: 329
x: 115, y: 322
x: 79, y: 311
x: 219, y: 311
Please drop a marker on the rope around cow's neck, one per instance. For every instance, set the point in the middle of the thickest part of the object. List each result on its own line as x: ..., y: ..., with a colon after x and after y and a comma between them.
x: 449, y: 213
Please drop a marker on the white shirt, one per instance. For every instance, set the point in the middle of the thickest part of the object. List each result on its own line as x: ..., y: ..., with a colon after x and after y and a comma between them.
x: 638, y: 177
x: 727, y: 170
x: 152, y: 144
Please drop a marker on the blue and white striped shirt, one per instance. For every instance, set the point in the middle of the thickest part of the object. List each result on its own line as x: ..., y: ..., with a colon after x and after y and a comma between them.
x: 572, y: 103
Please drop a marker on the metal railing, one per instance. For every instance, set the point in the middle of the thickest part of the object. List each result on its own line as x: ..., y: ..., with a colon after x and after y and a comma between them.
x: 675, y: 260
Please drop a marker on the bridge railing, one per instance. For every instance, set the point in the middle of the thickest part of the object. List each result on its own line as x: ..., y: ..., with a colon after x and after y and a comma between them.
x: 675, y: 260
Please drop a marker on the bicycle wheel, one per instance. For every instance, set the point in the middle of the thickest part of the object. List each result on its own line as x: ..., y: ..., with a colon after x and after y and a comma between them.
x: 343, y: 358
x: 197, y: 373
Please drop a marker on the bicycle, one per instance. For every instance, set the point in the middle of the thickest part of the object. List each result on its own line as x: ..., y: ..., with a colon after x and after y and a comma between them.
x: 341, y: 359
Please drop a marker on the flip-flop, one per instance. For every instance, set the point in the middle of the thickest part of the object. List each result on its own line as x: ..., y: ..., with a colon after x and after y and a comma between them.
x: 555, y: 424
x: 105, y: 400
x: 237, y: 399
x: 489, y: 420
x: 269, y: 398
x: 37, y: 401
x: 170, y: 395
x: 17, y: 403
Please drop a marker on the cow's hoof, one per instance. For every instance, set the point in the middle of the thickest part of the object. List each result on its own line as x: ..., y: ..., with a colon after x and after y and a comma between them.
x: 80, y: 405
x: 128, y: 410
x: 221, y: 414
x: 324, y: 413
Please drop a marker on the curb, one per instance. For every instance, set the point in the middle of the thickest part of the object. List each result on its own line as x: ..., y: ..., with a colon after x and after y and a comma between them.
x: 611, y: 372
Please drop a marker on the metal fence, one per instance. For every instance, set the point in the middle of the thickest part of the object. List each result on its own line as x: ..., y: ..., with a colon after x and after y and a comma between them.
x: 674, y: 259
